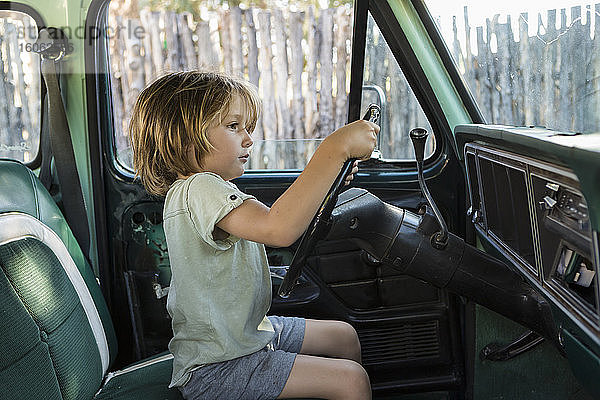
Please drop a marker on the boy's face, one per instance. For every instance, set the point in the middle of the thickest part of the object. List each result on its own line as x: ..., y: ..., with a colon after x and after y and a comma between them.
x: 231, y: 141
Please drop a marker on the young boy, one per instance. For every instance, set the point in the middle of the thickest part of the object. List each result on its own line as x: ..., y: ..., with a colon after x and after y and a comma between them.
x: 191, y: 135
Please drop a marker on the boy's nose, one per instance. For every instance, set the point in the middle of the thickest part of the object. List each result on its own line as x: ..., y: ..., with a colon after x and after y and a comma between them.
x: 247, y: 142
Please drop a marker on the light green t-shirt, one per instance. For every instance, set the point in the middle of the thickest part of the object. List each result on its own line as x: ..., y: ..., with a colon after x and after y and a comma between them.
x: 220, y: 290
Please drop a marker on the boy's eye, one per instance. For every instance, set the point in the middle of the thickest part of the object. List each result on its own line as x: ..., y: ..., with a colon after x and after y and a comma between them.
x: 233, y: 125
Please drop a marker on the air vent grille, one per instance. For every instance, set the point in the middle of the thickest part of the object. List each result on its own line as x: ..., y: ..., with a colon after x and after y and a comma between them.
x: 506, y: 206
x: 403, y: 342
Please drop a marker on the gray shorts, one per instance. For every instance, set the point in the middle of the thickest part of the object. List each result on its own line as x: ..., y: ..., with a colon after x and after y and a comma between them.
x: 257, y: 376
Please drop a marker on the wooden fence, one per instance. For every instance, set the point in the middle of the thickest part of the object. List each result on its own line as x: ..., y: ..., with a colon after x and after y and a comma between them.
x: 300, y: 63
x: 19, y: 89
x: 298, y: 60
x: 550, y: 79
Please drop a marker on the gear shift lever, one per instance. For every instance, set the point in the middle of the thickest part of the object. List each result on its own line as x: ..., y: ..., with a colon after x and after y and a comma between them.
x: 418, y: 137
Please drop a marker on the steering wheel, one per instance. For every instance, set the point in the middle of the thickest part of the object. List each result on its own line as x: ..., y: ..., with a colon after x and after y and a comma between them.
x: 318, y: 225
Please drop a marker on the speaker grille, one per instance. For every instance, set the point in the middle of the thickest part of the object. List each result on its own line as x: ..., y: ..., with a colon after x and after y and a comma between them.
x: 402, y: 342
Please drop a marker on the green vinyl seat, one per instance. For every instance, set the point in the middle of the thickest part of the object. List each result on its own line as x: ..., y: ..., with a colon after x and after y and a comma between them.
x: 56, y: 335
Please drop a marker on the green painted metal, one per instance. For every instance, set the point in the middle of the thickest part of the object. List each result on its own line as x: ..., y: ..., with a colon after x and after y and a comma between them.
x: 446, y: 94
x: 541, y: 373
x: 584, y: 363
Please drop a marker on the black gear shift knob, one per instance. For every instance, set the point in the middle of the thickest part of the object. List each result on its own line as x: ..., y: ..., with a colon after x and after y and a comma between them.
x: 419, y: 138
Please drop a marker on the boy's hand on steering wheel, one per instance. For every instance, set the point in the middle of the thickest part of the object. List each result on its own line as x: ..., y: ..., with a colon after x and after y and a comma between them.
x: 355, y: 140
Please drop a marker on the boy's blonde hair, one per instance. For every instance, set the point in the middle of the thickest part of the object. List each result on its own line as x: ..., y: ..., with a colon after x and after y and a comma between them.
x: 173, y: 115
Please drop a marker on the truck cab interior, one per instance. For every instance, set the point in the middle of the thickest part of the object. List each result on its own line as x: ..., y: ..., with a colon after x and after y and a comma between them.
x: 465, y: 252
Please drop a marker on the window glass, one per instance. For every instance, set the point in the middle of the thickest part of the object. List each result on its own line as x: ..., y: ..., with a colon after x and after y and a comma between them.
x: 20, y: 99
x: 384, y: 84
x: 299, y: 58
x: 527, y: 63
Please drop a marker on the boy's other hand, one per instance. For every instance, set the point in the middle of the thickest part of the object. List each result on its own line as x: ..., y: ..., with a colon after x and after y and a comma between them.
x: 350, y: 176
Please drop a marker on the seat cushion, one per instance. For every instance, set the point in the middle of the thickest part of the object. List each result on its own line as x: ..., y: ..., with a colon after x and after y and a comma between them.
x: 148, y: 380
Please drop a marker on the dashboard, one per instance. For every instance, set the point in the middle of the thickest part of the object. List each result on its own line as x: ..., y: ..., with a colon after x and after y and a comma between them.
x: 534, y: 213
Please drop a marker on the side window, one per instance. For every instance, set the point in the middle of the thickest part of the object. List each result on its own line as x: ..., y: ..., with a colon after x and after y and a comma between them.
x: 384, y: 84
x: 20, y: 82
x: 299, y: 58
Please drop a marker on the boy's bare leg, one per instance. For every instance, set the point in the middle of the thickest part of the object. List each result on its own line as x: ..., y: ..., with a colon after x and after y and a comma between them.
x: 341, y: 377
x: 331, y: 339
x: 327, y: 378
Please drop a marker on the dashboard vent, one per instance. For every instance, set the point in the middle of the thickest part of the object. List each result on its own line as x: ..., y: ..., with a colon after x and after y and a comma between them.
x: 405, y: 342
x: 506, y: 206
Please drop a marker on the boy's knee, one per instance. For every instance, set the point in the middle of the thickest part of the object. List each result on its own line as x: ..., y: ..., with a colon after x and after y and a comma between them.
x: 349, y: 339
x: 357, y: 378
x: 346, y: 332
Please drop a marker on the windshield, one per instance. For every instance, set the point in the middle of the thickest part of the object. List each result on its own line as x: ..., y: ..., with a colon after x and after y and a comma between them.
x: 527, y: 63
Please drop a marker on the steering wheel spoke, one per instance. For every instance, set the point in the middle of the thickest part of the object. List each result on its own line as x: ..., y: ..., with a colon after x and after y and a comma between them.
x: 319, y: 225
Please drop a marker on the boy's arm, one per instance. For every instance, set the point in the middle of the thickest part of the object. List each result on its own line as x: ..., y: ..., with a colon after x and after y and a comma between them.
x: 283, y: 223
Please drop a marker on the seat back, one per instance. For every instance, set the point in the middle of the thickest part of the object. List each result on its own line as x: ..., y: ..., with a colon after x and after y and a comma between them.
x: 56, y: 334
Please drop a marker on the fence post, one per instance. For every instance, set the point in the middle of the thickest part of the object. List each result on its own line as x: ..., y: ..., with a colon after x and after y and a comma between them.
x: 296, y: 67
x: 235, y: 36
x: 296, y: 20
x: 266, y: 86
x: 171, y: 44
x: 23, y: 121
x: 32, y: 91
x: 158, y: 58
x: 314, y: 44
x: 326, y: 73
x: 190, y: 61
x: 225, y: 39
x: 123, y: 83
x: 12, y: 53
x: 580, y: 60
x: 253, y: 73
x: 550, y: 55
x: 135, y: 61
x: 594, y: 104
x: 505, y: 68
x: 456, y: 51
x: 342, y: 33
x: 208, y: 58
x: 149, y: 68
x: 280, y: 69
x: 484, y: 87
x: 5, y: 134
x: 586, y: 111
x: 564, y: 111
x: 469, y: 67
